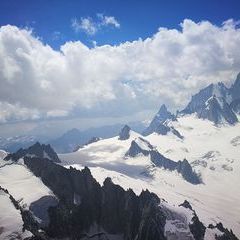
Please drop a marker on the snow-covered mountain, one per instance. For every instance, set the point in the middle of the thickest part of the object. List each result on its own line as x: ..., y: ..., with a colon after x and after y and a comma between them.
x: 183, y: 174
x: 213, y: 157
x: 159, y: 124
x: 216, y: 103
x: 71, y: 204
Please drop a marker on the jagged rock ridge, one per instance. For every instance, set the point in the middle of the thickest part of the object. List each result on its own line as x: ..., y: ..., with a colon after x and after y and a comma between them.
x: 217, y: 110
x: 36, y: 150
x: 141, y: 146
x: 159, y: 124
x: 114, y: 210
x: 216, y: 103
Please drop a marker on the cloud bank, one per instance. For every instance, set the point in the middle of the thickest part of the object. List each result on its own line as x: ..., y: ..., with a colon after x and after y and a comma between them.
x: 39, y: 82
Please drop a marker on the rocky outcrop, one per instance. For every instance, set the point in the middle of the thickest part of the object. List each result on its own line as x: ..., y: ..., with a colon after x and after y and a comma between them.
x: 36, y: 150
x: 125, y: 133
x: 196, y: 226
x: 141, y: 146
x: 226, y: 234
x: 158, y: 124
x: 235, y: 89
x: 235, y: 95
x: 218, y: 111
x: 235, y: 105
x: 114, y: 210
x: 40, y: 208
x: 182, y: 167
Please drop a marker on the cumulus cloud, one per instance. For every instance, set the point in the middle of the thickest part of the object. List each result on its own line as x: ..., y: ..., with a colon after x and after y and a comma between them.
x: 39, y: 82
x: 91, y: 27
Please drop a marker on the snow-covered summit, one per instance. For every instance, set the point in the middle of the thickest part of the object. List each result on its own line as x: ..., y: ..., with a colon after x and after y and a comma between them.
x: 216, y: 103
x: 159, y: 122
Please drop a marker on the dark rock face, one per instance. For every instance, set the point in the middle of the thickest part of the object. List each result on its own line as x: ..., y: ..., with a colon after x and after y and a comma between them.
x: 186, y: 204
x: 235, y: 106
x: 196, y: 227
x: 227, y: 235
x: 157, y: 124
x: 135, y: 149
x: 235, y: 94
x: 114, y: 210
x: 182, y: 167
x: 124, y: 134
x: 235, y: 89
x: 41, y: 206
x: 217, y: 110
x: 36, y: 150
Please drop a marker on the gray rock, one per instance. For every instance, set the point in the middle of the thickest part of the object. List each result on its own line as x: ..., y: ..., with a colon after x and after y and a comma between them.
x: 218, y: 111
x: 36, y: 150
x: 159, y: 123
x: 182, y: 167
x: 125, y: 133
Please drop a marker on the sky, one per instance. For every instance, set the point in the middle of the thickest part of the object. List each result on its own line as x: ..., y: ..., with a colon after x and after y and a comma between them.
x: 68, y: 61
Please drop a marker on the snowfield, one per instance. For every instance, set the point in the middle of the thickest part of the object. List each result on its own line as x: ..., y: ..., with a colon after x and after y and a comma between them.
x: 10, y: 220
x: 22, y: 184
x: 25, y: 188
x: 214, y: 152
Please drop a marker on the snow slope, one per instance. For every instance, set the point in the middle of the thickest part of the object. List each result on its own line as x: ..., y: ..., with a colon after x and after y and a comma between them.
x: 212, y: 151
x: 10, y: 220
x: 25, y: 188
x: 22, y: 184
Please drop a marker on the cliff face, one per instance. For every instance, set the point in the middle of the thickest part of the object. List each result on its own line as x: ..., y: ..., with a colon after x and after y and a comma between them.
x: 85, y: 204
x: 87, y: 210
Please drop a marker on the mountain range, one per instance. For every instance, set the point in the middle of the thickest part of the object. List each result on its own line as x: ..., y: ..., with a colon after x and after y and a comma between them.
x: 176, y: 180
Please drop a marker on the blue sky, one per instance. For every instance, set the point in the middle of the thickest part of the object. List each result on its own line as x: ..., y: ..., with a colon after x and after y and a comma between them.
x: 51, y: 20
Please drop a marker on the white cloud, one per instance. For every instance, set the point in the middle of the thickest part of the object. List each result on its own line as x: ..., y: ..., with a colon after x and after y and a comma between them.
x: 91, y: 27
x: 84, y: 24
x: 39, y: 82
x: 108, y: 20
